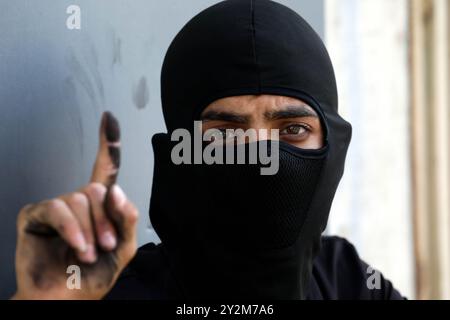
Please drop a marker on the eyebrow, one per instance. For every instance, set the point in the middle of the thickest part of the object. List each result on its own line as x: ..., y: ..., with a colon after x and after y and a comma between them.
x: 288, y: 112
x: 225, y: 116
x: 291, y: 112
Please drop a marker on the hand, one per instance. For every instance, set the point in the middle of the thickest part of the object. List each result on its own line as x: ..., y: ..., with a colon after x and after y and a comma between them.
x: 93, y: 228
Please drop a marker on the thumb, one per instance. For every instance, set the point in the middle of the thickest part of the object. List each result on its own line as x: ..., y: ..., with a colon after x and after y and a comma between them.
x: 124, y: 216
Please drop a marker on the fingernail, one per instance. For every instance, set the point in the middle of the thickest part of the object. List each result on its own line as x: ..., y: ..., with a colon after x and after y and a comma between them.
x: 80, y: 242
x: 90, y: 254
x: 108, y: 240
x: 119, y: 195
x: 112, y: 128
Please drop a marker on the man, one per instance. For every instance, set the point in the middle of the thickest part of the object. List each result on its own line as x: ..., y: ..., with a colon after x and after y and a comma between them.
x: 227, y: 231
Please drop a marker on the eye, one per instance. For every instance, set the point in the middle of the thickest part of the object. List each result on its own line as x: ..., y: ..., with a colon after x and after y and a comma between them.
x: 296, y: 130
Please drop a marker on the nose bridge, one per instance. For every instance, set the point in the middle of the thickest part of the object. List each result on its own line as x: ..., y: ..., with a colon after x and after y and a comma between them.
x: 267, y: 133
x: 261, y: 133
x: 259, y: 122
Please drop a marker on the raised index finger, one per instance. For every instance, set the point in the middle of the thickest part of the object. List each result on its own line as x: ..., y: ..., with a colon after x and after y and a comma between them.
x: 107, y: 163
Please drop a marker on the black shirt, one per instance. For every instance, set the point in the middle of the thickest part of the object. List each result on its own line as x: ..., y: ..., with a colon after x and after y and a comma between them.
x: 338, y: 274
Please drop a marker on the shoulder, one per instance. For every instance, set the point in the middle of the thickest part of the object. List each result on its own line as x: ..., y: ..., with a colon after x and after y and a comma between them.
x: 146, y: 276
x: 339, y: 273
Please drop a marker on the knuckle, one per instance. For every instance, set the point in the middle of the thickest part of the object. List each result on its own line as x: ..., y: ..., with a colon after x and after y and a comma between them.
x: 129, y: 250
x: 97, y: 190
x: 25, y: 210
x: 23, y: 214
x: 134, y: 216
x: 132, y: 213
x: 78, y: 199
x: 53, y: 205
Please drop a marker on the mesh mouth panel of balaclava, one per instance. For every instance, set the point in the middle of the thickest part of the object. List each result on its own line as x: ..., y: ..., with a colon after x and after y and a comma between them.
x: 253, y: 211
x: 236, y: 203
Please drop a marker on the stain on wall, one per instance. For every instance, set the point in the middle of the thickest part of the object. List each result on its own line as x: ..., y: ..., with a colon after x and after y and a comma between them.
x: 117, y: 51
x: 141, y: 94
x: 81, y: 75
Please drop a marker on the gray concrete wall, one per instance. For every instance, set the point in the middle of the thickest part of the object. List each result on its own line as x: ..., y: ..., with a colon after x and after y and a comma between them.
x: 56, y: 82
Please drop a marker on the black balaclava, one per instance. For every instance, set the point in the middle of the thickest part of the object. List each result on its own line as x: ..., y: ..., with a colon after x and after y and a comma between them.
x: 228, y: 231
